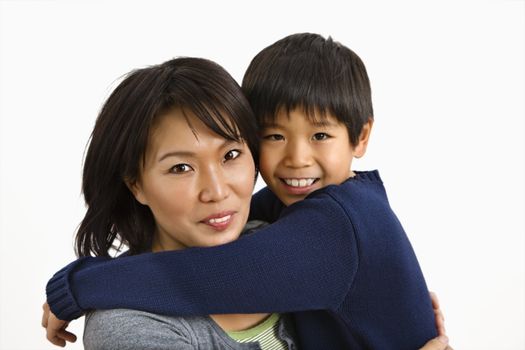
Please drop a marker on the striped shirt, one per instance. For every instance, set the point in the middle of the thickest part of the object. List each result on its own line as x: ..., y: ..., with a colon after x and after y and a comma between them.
x: 264, y: 333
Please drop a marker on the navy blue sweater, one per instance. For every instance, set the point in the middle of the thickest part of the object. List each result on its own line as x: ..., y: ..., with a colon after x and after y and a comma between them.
x: 339, y: 260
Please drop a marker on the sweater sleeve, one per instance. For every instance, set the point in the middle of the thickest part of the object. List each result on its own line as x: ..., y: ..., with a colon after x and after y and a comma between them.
x: 265, y: 206
x: 305, y: 261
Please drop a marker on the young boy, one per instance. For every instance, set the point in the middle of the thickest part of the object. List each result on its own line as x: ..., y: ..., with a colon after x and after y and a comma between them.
x: 313, y: 102
x: 339, y: 260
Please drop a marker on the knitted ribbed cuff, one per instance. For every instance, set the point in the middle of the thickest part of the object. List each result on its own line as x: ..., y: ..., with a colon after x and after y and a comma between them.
x: 60, y: 296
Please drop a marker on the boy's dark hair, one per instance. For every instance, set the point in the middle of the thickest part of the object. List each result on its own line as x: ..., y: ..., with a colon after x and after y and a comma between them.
x: 310, y: 72
x: 119, y: 139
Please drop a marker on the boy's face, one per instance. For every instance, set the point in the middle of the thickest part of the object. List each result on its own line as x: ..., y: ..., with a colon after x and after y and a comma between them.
x: 299, y: 156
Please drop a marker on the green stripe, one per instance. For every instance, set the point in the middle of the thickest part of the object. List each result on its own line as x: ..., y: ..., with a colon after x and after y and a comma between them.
x: 264, y: 333
x: 254, y: 331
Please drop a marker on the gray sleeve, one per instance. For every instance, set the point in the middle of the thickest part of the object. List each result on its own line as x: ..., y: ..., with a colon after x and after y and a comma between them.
x: 130, y: 329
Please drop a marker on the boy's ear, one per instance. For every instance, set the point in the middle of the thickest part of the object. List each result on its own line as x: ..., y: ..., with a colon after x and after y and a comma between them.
x: 360, y: 148
x: 135, y: 188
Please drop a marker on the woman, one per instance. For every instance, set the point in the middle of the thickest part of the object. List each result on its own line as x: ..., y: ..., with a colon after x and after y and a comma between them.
x: 169, y: 167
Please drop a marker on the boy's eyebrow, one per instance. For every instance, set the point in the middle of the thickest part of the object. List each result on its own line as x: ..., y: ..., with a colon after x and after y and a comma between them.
x: 316, y: 123
x: 323, y: 122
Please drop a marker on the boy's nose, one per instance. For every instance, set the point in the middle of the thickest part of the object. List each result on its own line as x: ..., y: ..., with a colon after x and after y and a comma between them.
x: 298, y: 155
x: 214, y: 186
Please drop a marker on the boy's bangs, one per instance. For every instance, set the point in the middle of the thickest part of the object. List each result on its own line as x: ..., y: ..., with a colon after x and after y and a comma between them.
x: 308, y: 84
x: 313, y: 113
x: 314, y: 98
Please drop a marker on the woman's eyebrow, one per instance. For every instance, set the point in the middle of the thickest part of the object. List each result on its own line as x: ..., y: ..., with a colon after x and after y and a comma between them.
x: 225, y: 143
x: 176, y: 154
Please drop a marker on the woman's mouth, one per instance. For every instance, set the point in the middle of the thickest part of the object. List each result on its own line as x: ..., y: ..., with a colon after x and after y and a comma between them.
x: 220, y: 221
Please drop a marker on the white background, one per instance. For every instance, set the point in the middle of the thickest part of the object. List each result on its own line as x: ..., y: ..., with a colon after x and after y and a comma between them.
x: 448, y: 87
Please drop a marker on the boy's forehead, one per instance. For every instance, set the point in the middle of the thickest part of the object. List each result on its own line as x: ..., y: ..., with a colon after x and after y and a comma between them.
x: 313, y: 117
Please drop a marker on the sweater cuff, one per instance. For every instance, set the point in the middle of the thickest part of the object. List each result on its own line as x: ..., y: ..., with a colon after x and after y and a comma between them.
x: 60, y: 296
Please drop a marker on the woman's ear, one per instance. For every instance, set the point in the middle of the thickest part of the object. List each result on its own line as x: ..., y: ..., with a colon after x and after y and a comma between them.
x: 360, y: 148
x: 135, y: 188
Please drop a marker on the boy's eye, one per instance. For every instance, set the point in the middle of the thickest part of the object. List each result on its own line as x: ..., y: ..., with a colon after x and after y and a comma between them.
x: 180, y: 168
x: 234, y: 153
x: 320, y: 136
x: 273, y: 137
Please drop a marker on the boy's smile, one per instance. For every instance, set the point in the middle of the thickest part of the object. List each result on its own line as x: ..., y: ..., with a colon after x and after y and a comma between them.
x: 300, y: 154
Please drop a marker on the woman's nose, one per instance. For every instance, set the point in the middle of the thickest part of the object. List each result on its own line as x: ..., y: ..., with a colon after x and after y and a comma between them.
x: 214, y: 185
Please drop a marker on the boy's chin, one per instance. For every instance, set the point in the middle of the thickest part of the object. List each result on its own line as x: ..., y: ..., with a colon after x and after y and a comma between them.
x: 289, y: 200
x: 289, y: 195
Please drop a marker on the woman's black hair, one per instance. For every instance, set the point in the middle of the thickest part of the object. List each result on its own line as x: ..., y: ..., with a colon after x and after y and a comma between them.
x: 308, y: 71
x: 119, y: 139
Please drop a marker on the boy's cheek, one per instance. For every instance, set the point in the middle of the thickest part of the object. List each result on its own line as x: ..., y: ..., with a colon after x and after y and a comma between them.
x: 267, y: 162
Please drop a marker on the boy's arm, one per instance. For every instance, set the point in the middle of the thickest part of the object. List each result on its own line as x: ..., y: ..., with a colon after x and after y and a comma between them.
x: 283, y: 267
x: 265, y: 206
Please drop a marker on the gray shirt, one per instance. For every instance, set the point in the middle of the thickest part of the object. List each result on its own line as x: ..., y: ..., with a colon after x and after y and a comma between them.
x: 131, y: 329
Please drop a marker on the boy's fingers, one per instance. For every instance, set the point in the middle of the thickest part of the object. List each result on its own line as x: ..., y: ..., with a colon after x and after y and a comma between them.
x: 439, y: 343
x: 45, y: 314
x: 438, y: 314
x: 441, y: 330
x: 59, y: 337
x: 54, y: 339
x: 56, y: 331
x: 435, y: 300
x: 44, y: 319
x: 440, y: 322
x: 67, y: 336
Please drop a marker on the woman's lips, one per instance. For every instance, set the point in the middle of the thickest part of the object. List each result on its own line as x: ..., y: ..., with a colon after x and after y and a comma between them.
x: 219, y: 221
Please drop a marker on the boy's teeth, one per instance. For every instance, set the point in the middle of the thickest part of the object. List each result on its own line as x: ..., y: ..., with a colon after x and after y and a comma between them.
x: 299, y: 182
x: 219, y: 220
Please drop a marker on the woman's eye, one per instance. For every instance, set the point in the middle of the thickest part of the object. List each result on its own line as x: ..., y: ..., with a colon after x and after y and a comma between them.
x: 274, y: 137
x: 320, y: 136
x: 232, y: 154
x: 180, y: 168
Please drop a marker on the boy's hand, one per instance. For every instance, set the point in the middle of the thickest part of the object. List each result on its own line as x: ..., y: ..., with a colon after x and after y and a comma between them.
x: 56, y: 329
x: 439, y: 343
x: 438, y: 314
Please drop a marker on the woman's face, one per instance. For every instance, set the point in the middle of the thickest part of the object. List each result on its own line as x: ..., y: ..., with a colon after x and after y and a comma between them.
x: 197, y: 184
